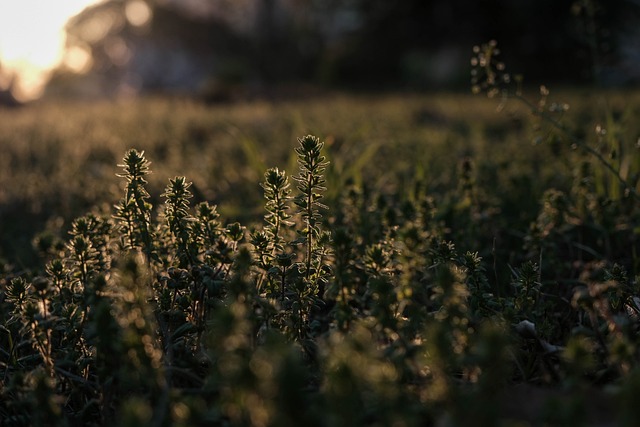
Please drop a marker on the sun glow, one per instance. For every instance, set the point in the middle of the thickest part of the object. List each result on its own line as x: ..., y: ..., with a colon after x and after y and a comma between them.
x: 32, y: 41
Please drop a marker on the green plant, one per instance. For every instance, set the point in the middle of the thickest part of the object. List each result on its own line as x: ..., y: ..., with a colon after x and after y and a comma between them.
x: 489, y: 75
x: 437, y: 292
x: 134, y: 211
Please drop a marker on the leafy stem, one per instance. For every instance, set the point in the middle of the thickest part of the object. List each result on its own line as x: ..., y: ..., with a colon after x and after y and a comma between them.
x: 179, y: 220
x: 134, y: 211
x: 543, y: 114
x: 311, y: 185
x: 489, y: 75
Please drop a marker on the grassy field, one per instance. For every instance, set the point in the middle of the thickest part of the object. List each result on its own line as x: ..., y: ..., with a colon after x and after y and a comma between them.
x: 463, y: 251
x: 59, y: 162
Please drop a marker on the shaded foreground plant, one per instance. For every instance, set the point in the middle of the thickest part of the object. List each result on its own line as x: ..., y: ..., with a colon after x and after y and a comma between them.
x: 124, y: 315
x: 366, y: 312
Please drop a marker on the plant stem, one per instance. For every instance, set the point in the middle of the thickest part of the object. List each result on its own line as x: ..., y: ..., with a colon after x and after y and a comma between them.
x: 309, y: 221
x: 578, y: 142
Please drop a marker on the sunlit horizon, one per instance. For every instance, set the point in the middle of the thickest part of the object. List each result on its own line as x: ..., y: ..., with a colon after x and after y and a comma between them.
x: 32, y: 40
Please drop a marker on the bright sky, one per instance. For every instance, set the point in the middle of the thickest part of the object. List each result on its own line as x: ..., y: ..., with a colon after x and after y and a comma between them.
x: 32, y: 40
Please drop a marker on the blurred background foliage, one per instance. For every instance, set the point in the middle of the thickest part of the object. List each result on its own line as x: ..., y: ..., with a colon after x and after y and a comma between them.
x: 223, y: 50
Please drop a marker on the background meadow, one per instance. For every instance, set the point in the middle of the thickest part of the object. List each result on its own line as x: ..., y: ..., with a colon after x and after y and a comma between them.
x: 471, y: 254
x: 391, y: 143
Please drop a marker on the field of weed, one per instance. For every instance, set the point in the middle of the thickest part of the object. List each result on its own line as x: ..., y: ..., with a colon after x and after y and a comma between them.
x: 60, y: 161
x: 343, y: 260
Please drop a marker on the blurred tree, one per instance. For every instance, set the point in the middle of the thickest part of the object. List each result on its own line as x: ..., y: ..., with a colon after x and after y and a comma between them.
x: 136, y: 46
x: 220, y: 45
x: 7, y: 84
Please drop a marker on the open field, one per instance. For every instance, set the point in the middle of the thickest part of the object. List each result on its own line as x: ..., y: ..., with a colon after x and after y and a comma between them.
x: 59, y: 162
x: 464, y: 254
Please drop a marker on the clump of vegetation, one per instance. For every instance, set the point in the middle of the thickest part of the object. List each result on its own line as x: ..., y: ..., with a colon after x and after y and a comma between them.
x: 430, y: 298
